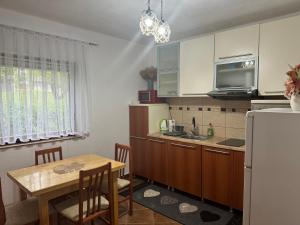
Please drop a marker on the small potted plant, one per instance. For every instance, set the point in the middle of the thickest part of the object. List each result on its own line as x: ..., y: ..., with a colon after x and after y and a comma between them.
x: 292, y: 87
x: 150, y: 75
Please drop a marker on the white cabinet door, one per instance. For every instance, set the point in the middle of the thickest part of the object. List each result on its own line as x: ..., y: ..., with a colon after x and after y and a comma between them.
x: 197, y: 66
x: 237, y: 42
x: 279, y: 46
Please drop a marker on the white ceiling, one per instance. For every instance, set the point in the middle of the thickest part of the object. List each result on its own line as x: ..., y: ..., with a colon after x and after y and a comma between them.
x: 120, y: 17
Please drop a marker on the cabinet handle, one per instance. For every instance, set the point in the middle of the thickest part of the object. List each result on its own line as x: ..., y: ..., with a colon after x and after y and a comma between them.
x: 217, y: 151
x: 183, y: 146
x: 195, y: 94
x: 140, y: 138
x: 274, y: 92
x: 234, y: 56
x: 158, y: 141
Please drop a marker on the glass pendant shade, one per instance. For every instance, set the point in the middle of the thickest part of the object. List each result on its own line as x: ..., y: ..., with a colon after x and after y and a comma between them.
x: 148, y: 22
x: 162, y: 33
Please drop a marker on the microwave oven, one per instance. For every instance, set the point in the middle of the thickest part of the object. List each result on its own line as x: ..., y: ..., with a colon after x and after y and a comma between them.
x: 148, y: 97
x: 236, y: 77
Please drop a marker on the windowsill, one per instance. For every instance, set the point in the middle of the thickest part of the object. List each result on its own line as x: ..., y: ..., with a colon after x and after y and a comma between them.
x: 40, y: 142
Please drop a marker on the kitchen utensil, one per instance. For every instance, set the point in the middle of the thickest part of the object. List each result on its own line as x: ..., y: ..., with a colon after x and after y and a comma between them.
x: 171, y: 124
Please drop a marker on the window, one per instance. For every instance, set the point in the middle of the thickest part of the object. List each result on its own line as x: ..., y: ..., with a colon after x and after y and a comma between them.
x: 37, y: 88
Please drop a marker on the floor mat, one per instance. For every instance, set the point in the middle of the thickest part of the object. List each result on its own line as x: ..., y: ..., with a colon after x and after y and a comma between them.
x: 173, y: 205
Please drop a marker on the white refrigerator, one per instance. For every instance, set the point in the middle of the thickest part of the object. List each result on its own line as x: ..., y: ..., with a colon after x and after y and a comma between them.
x: 272, y: 168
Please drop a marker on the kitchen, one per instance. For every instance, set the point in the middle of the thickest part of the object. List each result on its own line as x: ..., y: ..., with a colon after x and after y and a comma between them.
x: 188, y: 110
x: 208, y: 84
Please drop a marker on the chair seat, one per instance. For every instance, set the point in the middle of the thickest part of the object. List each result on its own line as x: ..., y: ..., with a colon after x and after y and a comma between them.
x: 70, y: 207
x: 23, y: 212
x: 122, y: 183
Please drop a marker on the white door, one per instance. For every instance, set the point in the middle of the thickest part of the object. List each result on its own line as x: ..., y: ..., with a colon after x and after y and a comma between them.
x: 275, y: 182
x: 197, y: 66
x: 236, y: 42
x: 279, y: 46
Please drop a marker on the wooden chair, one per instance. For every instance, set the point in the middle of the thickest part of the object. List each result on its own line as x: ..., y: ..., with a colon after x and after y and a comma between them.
x: 24, y: 212
x: 123, y: 154
x: 91, y: 203
x: 48, y: 155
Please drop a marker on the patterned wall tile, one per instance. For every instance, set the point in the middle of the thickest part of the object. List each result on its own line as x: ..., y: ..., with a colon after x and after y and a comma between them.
x: 235, y: 120
x: 217, y: 119
x: 235, y: 133
x: 227, y: 117
x: 189, y: 114
x: 176, y: 113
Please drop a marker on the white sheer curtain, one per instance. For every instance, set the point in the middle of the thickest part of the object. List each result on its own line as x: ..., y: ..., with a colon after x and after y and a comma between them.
x: 43, y: 86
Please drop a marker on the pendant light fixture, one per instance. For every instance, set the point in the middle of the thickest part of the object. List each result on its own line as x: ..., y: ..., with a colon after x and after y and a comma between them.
x: 148, y: 21
x: 163, y: 31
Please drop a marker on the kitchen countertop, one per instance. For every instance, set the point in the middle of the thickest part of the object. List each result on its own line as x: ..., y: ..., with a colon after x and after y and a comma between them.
x: 211, y: 142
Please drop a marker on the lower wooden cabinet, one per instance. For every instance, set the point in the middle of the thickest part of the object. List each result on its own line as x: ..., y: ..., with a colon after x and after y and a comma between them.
x: 216, y: 174
x: 139, y: 147
x: 184, y: 167
x: 237, y: 193
x: 156, y: 160
x: 217, y: 167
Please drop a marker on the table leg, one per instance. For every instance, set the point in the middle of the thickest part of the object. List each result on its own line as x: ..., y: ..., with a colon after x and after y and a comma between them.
x: 43, y: 211
x: 116, y: 198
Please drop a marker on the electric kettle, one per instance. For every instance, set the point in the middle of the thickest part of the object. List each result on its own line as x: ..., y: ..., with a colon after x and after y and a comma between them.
x: 164, y: 125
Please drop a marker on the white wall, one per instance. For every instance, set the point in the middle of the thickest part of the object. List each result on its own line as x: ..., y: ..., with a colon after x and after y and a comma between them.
x: 113, y: 83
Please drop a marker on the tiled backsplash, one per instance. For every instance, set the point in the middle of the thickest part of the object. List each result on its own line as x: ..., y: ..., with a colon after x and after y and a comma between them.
x: 227, y: 117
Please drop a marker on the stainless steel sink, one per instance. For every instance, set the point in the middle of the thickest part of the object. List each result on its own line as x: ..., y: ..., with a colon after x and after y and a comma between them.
x: 194, y: 137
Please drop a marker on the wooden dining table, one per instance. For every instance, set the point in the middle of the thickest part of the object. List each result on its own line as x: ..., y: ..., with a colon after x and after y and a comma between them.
x: 49, y: 181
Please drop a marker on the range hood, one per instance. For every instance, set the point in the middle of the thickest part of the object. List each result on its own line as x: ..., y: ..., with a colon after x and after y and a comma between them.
x: 234, y: 94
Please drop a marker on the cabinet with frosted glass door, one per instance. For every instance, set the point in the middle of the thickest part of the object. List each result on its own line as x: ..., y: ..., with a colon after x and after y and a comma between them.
x: 168, y: 70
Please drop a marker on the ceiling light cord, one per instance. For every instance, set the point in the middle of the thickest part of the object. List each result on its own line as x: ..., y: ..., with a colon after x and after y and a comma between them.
x: 149, y: 5
x: 161, y: 11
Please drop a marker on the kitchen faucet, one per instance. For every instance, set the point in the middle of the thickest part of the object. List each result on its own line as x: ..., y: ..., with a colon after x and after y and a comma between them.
x: 195, y: 129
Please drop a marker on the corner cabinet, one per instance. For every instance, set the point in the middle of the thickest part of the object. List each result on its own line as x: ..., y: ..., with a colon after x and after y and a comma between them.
x: 197, y: 66
x: 237, y: 42
x: 168, y: 70
x: 279, y: 47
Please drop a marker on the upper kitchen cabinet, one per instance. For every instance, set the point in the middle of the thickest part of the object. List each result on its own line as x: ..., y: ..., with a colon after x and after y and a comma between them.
x: 279, y: 46
x: 237, y: 42
x: 197, y: 66
x: 168, y: 70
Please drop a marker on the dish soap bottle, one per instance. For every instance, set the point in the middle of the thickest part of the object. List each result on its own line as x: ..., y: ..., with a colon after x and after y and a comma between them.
x: 210, y: 130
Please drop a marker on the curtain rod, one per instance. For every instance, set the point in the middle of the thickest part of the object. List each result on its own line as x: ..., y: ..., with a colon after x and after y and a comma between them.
x: 51, y: 35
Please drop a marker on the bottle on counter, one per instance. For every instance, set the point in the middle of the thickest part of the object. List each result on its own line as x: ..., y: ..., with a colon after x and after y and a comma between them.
x: 210, y: 130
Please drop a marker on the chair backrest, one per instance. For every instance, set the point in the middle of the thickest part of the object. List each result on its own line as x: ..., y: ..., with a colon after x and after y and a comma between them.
x: 91, y: 185
x: 122, y: 153
x: 48, y: 155
x: 2, y: 208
